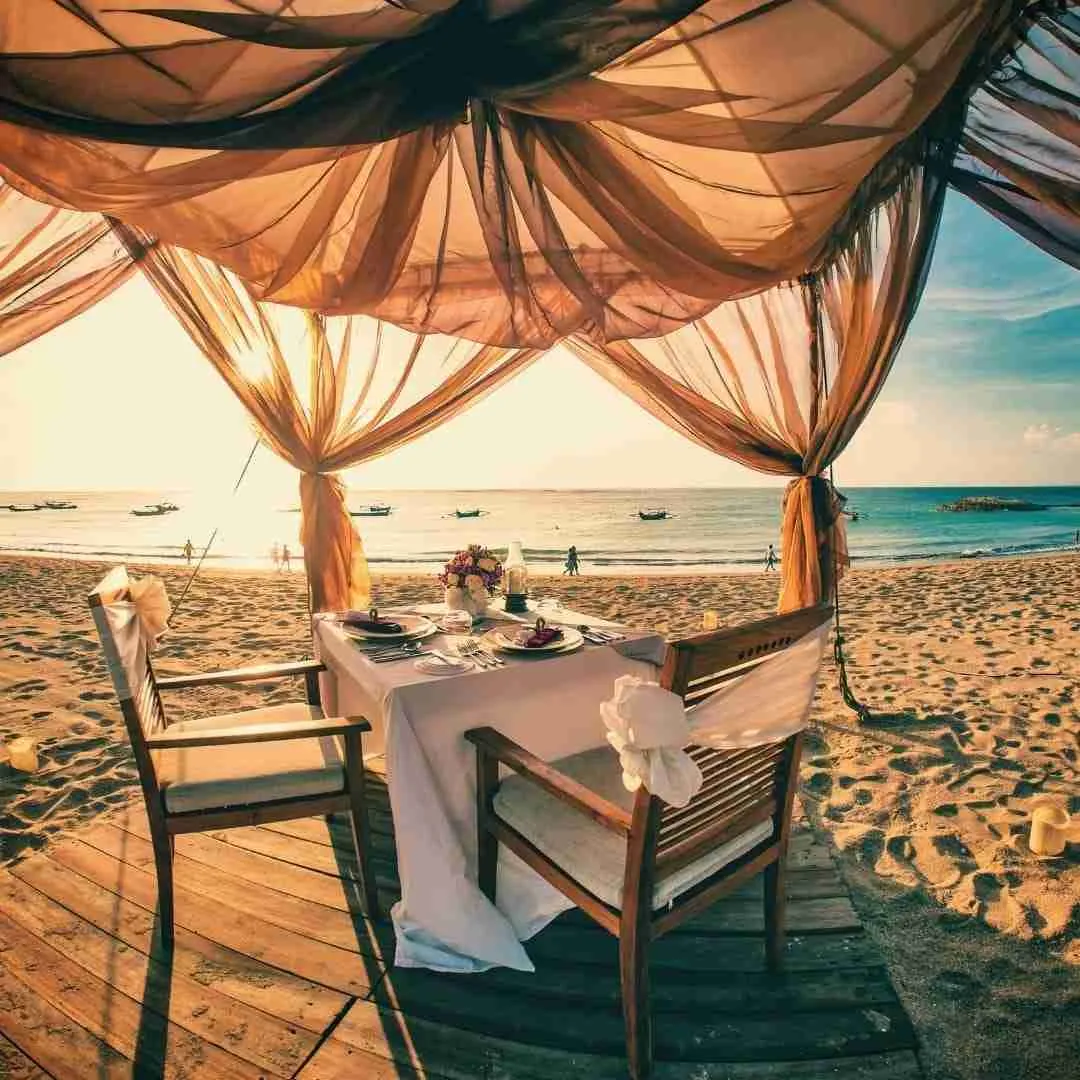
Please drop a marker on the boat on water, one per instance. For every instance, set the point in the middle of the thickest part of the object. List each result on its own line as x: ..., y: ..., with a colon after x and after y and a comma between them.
x: 652, y: 514
x: 467, y: 513
x: 374, y: 510
x: 155, y: 509
x: 59, y: 504
x: 23, y: 508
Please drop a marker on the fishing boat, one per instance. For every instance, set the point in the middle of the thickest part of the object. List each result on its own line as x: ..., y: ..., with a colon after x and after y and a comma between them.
x: 59, y: 504
x: 466, y: 513
x: 374, y: 510
x: 150, y: 510
x: 23, y: 508
x: 652, y: 515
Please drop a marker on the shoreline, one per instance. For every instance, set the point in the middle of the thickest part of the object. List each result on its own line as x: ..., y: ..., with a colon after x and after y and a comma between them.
x: 860, y: 564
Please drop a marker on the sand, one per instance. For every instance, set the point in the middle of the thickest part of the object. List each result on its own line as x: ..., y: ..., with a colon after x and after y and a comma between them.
x: 969, y: 670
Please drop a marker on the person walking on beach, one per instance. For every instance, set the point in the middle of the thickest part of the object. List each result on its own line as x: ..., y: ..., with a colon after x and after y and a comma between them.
x: 770, y: 559
x: 188, y: 551
x: 572, y: 562
x: 275, y: 555
x: 285, y: 564
x: 1078, y: 538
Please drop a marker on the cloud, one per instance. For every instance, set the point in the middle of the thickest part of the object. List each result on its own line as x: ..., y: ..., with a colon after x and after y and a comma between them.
x: 1051, y: 437
x: 1013, y: 302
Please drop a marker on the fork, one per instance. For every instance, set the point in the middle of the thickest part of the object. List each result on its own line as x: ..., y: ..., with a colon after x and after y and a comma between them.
x: 477, y: 652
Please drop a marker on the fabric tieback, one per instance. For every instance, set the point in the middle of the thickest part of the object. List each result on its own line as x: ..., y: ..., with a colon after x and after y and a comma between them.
x: 648, y: 728
x: 815, y: 552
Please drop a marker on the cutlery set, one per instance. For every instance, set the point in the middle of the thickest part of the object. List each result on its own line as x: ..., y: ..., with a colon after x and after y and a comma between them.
x: 595, y: 635
x: 385, y: 653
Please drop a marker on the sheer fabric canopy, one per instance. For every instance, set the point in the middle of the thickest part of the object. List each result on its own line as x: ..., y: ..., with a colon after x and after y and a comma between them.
x: 325, y: 394
x: 1020, y: 157
x: 508, y: 171
x: 53, y: 264
x: 781, y: 381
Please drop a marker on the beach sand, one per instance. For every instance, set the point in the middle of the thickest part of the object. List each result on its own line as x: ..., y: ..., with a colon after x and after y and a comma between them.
x: 970, y: 673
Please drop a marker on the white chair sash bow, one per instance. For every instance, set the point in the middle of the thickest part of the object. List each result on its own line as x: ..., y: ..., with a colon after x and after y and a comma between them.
x: 136, y: 625
x: 648, y: 728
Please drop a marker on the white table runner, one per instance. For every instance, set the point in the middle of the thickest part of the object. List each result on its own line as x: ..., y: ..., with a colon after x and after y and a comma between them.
x: 551, y: 705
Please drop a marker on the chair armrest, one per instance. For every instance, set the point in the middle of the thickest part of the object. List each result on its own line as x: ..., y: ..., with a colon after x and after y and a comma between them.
x: 235, y: 675
x: 255, y: 733
x: 489, y: 741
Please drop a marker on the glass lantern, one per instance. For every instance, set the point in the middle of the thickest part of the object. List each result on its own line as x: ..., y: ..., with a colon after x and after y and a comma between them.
x: 516, y: 577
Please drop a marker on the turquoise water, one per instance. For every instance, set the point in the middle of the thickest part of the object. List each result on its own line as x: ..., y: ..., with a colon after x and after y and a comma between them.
x: 716, y: 529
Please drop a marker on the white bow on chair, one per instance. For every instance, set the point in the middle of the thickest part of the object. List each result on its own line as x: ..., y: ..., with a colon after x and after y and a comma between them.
x: 152, y: 607
x: 647, y: 725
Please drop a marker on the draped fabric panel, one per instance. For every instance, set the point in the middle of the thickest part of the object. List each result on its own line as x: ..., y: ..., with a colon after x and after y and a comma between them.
x: 504, y: 170
x: 1020, y: 154
x: 54, y: 264
x: 781, y: 381
x: 324, y: 394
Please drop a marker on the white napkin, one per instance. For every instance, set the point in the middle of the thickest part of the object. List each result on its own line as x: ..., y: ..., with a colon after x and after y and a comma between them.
x: 436, y: 665
x: 647, y: 725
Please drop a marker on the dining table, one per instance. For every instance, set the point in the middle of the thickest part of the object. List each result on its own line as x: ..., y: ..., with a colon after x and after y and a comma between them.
x: 547, y: 702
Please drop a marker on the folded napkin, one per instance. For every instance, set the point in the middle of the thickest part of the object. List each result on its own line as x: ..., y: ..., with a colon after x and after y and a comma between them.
x: 647, y: 725
x: 370, y: 621
x: 538, y: 636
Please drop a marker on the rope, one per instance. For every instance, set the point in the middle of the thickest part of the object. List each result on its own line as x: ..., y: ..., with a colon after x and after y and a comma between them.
x: 213, y: 536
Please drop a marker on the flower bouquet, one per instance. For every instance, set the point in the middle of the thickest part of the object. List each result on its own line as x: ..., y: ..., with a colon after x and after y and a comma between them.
x: 470, y: 579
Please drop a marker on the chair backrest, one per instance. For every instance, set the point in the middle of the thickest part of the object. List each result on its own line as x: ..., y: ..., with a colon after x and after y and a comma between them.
x: 127, y: 658
x: 742, y: 786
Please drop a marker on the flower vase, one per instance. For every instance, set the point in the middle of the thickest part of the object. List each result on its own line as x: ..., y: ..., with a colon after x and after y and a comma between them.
x: 459, y: 599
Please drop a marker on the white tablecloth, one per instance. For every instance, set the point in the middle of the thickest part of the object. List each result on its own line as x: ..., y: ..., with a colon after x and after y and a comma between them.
x: 551, y: 705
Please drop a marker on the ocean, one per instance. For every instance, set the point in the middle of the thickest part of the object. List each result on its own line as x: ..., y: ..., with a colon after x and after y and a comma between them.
x: 707, y: 529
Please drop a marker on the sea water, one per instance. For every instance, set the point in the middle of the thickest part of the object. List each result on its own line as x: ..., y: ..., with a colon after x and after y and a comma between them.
x: 706, y: 530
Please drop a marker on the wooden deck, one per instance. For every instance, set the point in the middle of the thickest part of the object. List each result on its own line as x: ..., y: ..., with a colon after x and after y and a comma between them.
x: 275, y: 975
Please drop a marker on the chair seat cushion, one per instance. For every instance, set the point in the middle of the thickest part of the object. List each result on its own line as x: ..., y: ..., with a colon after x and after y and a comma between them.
x: 211, y: 777
x: 593, y: 856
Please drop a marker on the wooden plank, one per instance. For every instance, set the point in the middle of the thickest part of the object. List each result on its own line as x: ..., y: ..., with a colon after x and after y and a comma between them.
x: 461, y: 1055
x: 279, y: 993
x: 15, y: 1065
x: 314, y: 922
x: 155, y: 1046
x: 713, y: 992
x: 339, y: 969
x: 278, y: 1047
x: 209, y: 850
x: 566, y: 942
x: 730, y: 915
x: 58, y: 1044
x: 598, y: 1029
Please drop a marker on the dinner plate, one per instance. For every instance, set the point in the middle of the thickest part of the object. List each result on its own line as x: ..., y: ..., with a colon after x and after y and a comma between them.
x: 570, y: 640
x: 413, y: 626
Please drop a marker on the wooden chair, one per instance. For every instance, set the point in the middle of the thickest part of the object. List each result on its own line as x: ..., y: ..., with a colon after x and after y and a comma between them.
x: 635, y: 865
x: 244, y: 768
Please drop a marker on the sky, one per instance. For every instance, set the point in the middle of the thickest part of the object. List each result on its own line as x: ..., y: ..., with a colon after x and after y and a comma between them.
x: 981, y: 393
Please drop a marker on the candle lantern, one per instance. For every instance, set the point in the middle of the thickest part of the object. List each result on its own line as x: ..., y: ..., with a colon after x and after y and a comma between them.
x: 517, y: 578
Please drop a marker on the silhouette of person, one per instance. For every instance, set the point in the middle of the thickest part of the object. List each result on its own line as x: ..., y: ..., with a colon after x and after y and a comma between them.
x: 188, y: 551
x: 285, y: 563
x: 572, y: 562
x: 770, y: 559
x: 275, y: 555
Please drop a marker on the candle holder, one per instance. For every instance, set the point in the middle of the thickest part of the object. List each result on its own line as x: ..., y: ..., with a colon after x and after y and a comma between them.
x: 517, y: 578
